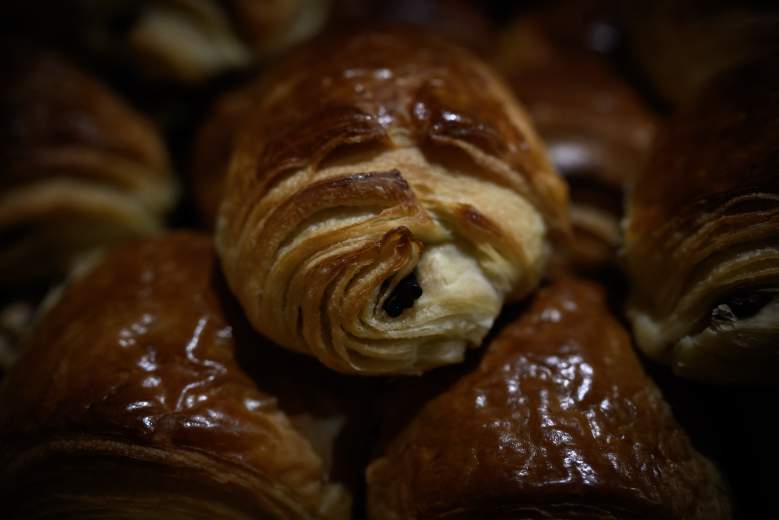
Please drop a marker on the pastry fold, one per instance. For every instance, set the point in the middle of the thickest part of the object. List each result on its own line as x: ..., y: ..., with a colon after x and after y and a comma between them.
x: 79, y: 169
x: 385, y: 194
x: 142, y: 394
x: 595, y: 126
x: 558, y: 420
x: 701, y: 247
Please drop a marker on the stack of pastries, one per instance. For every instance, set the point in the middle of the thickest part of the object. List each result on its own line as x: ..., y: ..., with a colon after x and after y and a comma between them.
x: 398, y: 273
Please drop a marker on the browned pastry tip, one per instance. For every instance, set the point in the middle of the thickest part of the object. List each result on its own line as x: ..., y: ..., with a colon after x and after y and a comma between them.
x: 142, y: 393
x: 700, y: 244
x: 79, y: 168
x: 385, y: 194
x: 558, y: 420
x: 597, y: 129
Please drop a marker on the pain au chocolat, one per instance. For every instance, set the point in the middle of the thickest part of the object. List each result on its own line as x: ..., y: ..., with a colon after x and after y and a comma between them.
x: 701, y: 245
x: 79, y: 169
x: 385, y: 195
x: 596, y: 128
x: 142, y: 395
x: 558, y: 420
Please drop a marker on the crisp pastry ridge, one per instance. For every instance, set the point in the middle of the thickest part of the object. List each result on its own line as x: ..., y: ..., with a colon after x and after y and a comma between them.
x: 700, y: 234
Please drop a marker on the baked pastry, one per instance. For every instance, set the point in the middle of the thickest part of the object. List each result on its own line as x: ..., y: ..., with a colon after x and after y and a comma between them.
x: 700, y: 247
x: 213, y: 146
x: 597, y: 130
x: 384, y: 196
x: 79, y: 169
x: 132, y: 400
x: 194, y: 40
x: 557, y: 421
x: 680, y: 45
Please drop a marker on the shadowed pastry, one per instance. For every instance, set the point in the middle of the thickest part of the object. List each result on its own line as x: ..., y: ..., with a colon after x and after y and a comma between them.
x: 194, y: 40
x: 79, y: 169
x: 557, y: 421
x: 461, y: 21
x: 683, y: 44
x: 210, y: 157
x: 701, y: 246
x: 596, y: 128
x: 137, y: 397
x: 385, y: 195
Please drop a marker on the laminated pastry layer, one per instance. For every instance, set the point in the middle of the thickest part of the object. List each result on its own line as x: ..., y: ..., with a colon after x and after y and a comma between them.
x: 80, y: 169
x: 382, y: 230
x: 700, y: 244
x: 595, y: 126
x: 131, y: 394
x: 557, y: 420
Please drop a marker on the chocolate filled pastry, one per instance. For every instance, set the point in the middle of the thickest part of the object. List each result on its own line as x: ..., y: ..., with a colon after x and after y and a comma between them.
x: 132, y: 401
x: 701, y: 245
x: 79, y: 169
x: 597, y: 131
x: 558, y: 420
x: 385, y: 195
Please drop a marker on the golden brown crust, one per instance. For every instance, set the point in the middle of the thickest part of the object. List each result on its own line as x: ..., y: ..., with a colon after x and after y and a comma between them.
x: 143, y: 351
x: 557, y: 421
x: 80, y: 168
x: 702, y: 220
x: 597, y: 130
x: 329, y: 129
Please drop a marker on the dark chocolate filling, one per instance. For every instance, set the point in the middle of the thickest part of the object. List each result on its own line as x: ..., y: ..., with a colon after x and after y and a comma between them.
x: 743, y: 304
x: 403, y: 296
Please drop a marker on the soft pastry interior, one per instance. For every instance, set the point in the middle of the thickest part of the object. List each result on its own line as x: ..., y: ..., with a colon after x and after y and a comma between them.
x: 80, y: 169
x: 700, y: 242
x: 556, y: 420
x: 383, y: 232
x: 142, y: 392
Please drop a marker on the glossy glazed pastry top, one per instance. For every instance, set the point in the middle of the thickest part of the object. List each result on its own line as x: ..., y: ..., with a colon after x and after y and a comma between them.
x: 138, y: 363
x: 377, y: 161
x: 558, y: 420
x: 80, y: 168
x: 700, y: 244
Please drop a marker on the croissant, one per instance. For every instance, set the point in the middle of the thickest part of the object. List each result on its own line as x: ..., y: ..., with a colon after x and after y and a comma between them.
x: 597, y: 130
x: 132, y: 401
x: 80, y: 169
x: 681, y: 45
x: 383, y: 198
x: 700, y: 235
x: 558, y: 420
